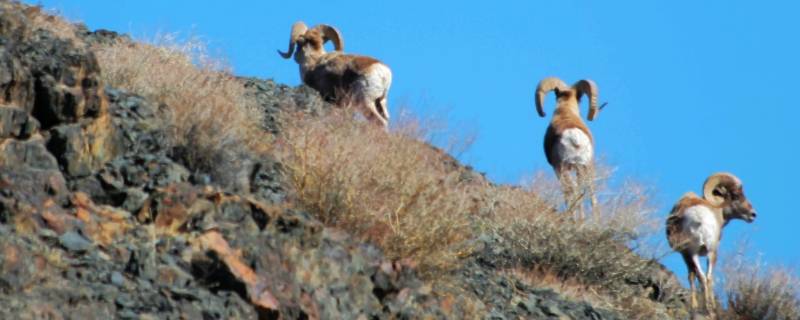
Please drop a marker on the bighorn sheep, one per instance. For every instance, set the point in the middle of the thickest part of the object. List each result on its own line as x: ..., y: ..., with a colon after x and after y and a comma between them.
x: 568, y: 144
x: 694, y: 227
x: 340, y: 78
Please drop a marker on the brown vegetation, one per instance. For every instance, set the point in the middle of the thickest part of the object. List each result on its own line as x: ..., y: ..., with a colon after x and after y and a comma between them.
x: 408, y: 198
x: 755, y: 291
x: 398, y: 192
x: 213, y: 122
x: 390, y: 189
x: 48, y: 20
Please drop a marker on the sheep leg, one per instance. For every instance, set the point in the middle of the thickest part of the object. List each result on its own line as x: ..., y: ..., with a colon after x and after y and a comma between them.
x: 563, y: 179
x: 711, y: 302
x: 568, y: 188
x: 694, y: 273
x: 692, y: 292
x: 382, y: 109
x: 702, y: 277
x: 585, y: 175
x: 368, y: 109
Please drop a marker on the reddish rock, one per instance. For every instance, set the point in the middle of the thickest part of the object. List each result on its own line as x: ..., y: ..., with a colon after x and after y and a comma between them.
x: 255, y: 284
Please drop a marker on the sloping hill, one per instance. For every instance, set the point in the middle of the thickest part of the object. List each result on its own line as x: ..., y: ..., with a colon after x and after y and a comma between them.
x: 137, y: 180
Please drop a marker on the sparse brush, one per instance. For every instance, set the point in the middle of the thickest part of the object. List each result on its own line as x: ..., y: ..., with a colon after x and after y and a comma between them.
x: 546, y: 245
x: 595, y: 250
x: 755, y: 291
x: 397, y: 192
x: 40, y: 18
x: 434, y: 130
x: 213, y: 122
x: 391, y: 189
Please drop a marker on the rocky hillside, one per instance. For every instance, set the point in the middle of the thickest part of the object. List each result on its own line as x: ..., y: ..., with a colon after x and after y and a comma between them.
x: 101, y: 218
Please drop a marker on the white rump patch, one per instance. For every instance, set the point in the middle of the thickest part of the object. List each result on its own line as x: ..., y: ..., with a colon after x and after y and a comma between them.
x: 375, y: 82
x: 574, y: 147
x: 701, y: 227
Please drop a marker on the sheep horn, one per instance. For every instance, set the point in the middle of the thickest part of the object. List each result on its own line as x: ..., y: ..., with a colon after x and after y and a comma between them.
x: 714, y: 181
x: 544, y: 87
x: 298, y: 29
x: 332, y: 34
x: 588, y: 87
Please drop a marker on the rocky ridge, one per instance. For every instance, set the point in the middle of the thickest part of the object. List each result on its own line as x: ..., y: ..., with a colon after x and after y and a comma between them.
x: 97, y: 220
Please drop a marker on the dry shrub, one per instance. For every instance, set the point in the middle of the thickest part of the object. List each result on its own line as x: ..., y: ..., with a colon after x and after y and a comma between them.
x: 213, y: 121
x: 40, y: 18
x: 435, y: 130
x: 401, y: 194
x: 390, y: 189
x: 590, y: 259
x: 755, y: 291
x: 594, y: 251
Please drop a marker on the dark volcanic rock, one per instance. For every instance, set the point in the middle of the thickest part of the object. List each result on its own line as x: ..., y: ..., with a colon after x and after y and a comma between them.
x: 16, y: 123
x: 279, y: 99
x: 66, y: 80
x: 53, y: 84
x: 267, y: 181
x: 101, y: 36
x: 15, y: 84
x: 99, y: 219
x: 73, y: 241
x: 82, y: 149
x: 508, y: 298
x: 29, y: 179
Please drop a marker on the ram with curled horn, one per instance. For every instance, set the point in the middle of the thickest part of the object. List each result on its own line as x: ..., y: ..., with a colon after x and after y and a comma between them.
x: 694, y: 228
x: 568, y: 143
x: 343, y: 79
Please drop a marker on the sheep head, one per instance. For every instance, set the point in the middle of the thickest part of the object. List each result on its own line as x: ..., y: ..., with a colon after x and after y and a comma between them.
x: 313, y: 39
x: 565, y: 93
x: 725, y: 190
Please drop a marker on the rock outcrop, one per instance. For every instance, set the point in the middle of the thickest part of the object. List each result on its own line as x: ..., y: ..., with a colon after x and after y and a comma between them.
x: 98, y: 221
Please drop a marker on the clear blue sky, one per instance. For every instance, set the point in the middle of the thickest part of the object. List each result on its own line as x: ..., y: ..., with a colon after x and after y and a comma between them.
x: 694, y: 87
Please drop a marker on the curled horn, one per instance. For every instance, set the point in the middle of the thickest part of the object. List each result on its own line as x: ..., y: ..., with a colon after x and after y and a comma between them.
x: 332, y: 34
x: 298, y: 29
x: 713, y: 182
x: 588, y: 88
x: 544, y: 87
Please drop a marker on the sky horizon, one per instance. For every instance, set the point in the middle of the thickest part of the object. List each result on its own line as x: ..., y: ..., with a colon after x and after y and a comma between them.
x: 693, y: 88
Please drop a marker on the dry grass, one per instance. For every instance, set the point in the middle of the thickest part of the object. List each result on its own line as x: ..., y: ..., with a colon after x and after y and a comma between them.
x: 594, y: 251
x: 213, y: 122
x: 390, y: 189
x: 40, y: 18
x: 755, y: 291
x: 583, y: 259
x: 397, y: 192
x: 435, y: 130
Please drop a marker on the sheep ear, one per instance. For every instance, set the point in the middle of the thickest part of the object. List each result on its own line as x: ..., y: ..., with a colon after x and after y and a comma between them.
x: 720, y: 195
